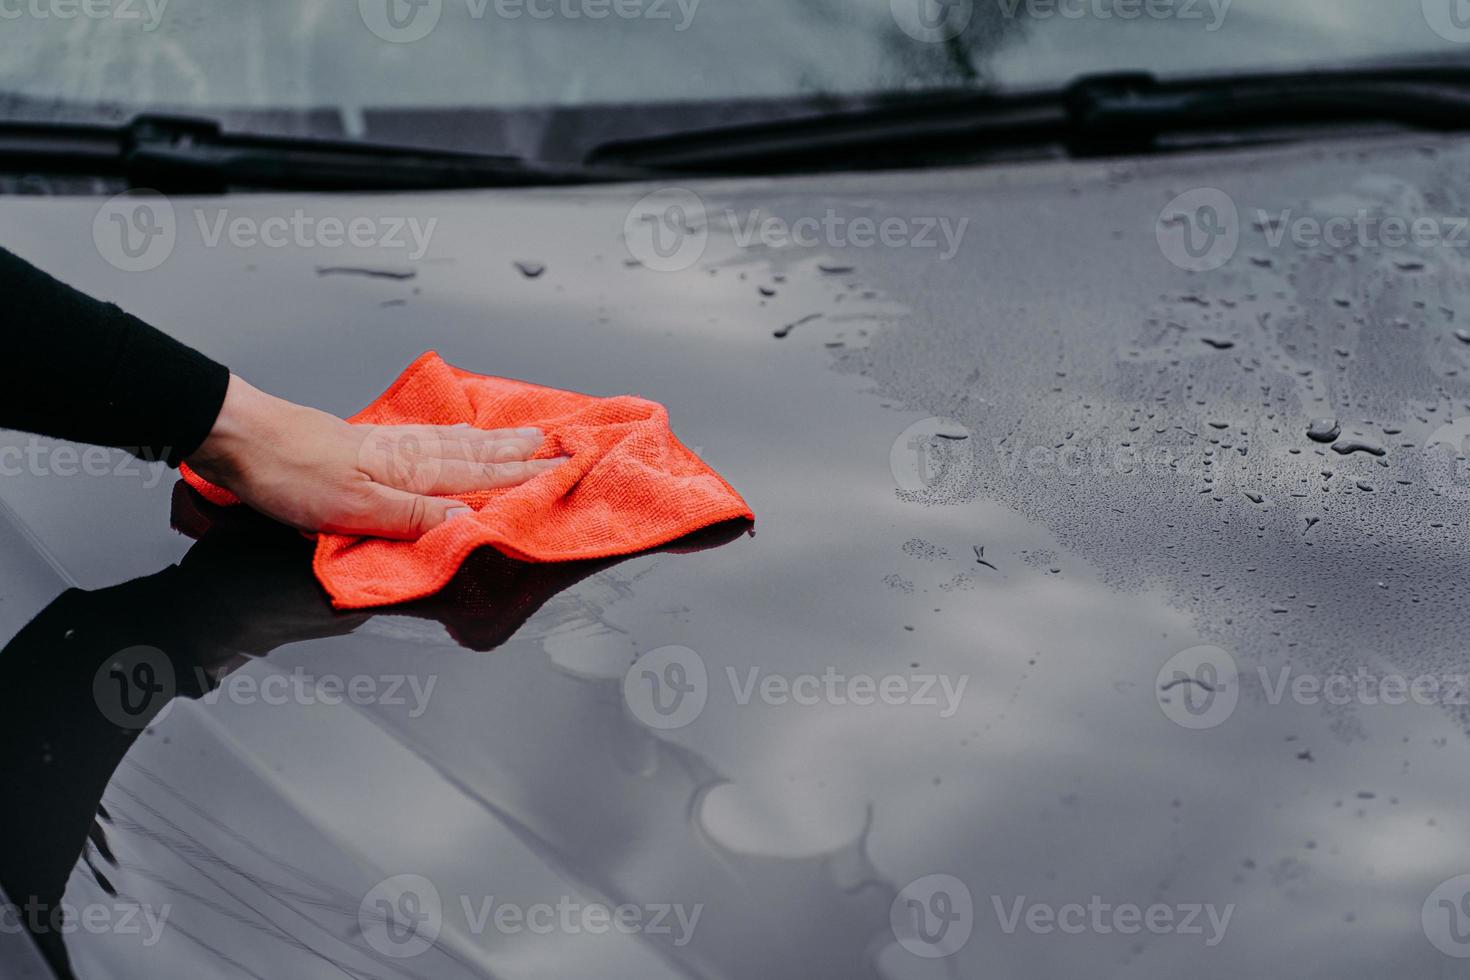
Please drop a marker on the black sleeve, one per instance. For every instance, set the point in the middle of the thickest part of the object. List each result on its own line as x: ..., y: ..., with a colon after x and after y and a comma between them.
x: 84, y: 370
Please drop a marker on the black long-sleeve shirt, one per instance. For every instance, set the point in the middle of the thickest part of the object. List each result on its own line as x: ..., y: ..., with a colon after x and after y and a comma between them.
x: 84, y: 370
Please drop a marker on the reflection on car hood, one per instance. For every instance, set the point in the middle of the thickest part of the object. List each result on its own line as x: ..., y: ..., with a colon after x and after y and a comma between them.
x: 1022, y: 448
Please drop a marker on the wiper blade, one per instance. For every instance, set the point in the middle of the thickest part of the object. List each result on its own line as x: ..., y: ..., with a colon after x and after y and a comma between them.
x: 183, y: 154
x: 1125, y: 113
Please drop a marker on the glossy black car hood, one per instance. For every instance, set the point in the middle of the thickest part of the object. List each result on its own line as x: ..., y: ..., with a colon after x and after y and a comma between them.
x: 1128, y: 477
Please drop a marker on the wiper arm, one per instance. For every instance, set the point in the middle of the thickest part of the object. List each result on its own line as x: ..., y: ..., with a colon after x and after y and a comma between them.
x: 187, y: 155
x: 1132, y: 113
x: 1096, y: 115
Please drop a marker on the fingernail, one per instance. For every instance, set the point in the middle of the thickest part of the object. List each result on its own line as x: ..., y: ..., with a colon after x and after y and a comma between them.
x: 528, y: 431
x: 454, y: 512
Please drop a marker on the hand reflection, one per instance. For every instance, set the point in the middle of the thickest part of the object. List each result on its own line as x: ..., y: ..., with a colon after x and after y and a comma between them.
x: 87, y: 674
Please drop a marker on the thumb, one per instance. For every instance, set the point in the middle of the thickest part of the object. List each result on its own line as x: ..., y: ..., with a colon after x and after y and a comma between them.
x: 400, y: 514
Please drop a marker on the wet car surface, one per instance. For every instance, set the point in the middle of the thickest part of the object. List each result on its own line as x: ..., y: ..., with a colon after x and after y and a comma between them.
x: 1026, y: 477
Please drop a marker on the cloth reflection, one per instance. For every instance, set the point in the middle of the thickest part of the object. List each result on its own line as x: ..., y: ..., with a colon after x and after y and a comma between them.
x: 84, y: 678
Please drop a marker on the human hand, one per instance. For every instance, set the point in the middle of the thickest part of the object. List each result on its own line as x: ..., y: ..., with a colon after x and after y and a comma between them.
x: 315, y: 472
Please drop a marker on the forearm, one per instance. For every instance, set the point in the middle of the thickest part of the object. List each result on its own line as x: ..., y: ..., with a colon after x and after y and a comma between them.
x: 86, y: 371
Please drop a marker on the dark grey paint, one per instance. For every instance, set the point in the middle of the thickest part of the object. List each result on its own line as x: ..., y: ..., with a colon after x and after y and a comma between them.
x: 1058, y: 779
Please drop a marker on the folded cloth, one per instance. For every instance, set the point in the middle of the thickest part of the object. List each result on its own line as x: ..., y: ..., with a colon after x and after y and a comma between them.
x: 629, y: 485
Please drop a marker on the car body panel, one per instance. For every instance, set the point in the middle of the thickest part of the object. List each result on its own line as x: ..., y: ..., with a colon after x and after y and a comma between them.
x: 795, y: 828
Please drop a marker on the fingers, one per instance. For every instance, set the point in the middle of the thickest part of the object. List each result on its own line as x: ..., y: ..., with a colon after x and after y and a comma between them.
x: 387, y: 512
x: 455, y: 476
x: 447, y: 459
x: 463, y: 441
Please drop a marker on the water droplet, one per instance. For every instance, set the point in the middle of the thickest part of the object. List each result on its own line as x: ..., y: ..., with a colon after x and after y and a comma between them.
x: 1349, y: 446
x: 1324, y: 430
x: 786, y: 330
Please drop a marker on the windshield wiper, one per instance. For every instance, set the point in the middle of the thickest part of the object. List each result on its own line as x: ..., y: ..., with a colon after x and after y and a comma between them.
x: 183, y: 154
x: 1099, y: 115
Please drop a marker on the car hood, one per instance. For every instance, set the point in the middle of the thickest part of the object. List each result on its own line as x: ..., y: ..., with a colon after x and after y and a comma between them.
x: 1025, y: 467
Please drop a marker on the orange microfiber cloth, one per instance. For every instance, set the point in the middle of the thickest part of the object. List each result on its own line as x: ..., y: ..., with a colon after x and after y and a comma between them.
x: 629, y: 485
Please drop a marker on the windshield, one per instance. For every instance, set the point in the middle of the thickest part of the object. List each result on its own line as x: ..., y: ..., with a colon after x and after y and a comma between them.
x: 544, y: 78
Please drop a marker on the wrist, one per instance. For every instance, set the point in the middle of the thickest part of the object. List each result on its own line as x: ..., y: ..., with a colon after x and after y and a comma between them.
x: 242, y: 421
